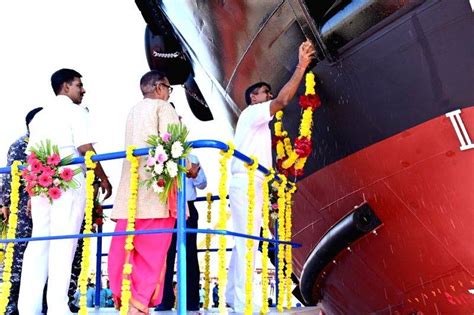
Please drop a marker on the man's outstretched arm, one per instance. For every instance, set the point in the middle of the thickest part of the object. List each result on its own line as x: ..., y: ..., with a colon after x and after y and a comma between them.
x: 305, y: 55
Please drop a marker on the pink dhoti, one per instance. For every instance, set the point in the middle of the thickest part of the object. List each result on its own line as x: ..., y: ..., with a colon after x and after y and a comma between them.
x: 148, y: 259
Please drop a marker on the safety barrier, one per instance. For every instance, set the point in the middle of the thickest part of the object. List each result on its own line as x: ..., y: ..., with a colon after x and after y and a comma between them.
x: 180, y: 230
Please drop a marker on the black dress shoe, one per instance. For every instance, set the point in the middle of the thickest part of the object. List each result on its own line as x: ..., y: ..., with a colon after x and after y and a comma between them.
x: 73, y: 308
x: 193, y: 308
x: 162, y: 307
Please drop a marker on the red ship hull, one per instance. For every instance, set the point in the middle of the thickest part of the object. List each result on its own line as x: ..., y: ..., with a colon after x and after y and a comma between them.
x: 419, y: 184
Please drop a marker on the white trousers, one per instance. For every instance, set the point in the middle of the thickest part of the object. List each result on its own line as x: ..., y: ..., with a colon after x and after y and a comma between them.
x: 235, y: 292
x: 51, y: 260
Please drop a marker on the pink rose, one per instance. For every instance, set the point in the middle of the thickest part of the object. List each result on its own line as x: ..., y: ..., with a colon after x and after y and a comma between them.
x: 54, y: 193
x: 161, y: 158
x: 166, y: 137
x: 150, y: 161
x: 66, y: 174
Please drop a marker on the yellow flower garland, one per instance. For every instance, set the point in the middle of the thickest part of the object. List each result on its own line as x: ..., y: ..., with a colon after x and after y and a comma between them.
x: 87, y: 230
x: 281, y: 237
x: 289, y: 262
x: 3, y: 246
x: 11, y: 234
x: 265, y: 234
x: 280, y: 147
x: 250, y: 225
x: 221, y: 225
x: 284, y: 147
x: 132, y: 211
x: 207, y: 255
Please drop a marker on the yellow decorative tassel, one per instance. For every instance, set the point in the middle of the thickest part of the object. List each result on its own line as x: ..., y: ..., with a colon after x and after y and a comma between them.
x: 249, y: 243
x: 281, y: 237
x: 265, y: 234
x: 289, y: 258
x: 11, y: 234
x: 85, y: 262
x: 222, y: 273
x: 132, y: 211
x: 207, y: 255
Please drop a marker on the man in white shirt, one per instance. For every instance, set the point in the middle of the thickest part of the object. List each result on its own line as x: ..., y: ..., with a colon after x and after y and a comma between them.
x: 253, y: 138
x: 195, y: 178
x: 66, y: 125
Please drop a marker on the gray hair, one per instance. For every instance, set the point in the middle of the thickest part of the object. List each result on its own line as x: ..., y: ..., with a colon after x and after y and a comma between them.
x: 149, y: 81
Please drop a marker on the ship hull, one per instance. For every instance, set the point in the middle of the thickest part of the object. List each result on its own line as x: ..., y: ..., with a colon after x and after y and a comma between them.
x: 419, y: 184
x: 380, y: 136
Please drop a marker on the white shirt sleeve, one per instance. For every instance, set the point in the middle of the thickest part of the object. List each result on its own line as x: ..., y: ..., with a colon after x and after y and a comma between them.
x: 81, y: 127
x: 258, y: 114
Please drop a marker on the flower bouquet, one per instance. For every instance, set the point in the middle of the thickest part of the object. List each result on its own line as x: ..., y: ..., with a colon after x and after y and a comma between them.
x: 162, y: 161
x: 45, y: 174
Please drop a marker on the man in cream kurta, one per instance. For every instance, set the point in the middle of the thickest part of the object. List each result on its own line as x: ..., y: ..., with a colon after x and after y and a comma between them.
x: 150, y: 116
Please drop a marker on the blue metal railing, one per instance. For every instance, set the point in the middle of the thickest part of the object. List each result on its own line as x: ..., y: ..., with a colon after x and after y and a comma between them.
x: 181, y: 229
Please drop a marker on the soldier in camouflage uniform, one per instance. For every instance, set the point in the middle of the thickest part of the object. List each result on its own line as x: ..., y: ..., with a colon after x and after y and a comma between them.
x: 17, y: 153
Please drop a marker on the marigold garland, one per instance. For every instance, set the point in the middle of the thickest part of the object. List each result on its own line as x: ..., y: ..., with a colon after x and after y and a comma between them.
x: 265, y: 234
x: 11, y: 234
x: 251, y: 168
x: 85, y: 262
x: 289, y: 254
x: 221, y: 225
x: 3, y: 246
x: 207, y: 255
x: 281, y: 237
x: 291, y: 161
x: 132, y: 211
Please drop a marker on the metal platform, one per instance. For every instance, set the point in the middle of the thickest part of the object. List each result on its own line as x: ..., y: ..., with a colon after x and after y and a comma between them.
x: 273, y: 311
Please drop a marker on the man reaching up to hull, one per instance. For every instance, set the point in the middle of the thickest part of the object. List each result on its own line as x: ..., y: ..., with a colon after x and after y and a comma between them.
x: 253, y: 138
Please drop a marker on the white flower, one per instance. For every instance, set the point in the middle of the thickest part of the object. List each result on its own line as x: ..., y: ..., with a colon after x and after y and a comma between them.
x: 176, y: 149
x: 56, y: 182
x: 158, y: 169
x: 156, y: 188
x: 172, y: 168
x: 160, y: 154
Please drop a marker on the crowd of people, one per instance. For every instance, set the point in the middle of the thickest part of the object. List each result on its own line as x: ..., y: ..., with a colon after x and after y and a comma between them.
x: 50, y: 266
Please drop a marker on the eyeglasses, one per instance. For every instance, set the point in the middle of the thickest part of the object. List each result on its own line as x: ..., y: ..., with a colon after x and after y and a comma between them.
x: 170, y: 88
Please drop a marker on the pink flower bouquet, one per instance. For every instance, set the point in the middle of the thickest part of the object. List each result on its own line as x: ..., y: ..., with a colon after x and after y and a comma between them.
x: 162, y: 160
x: 45, y: 173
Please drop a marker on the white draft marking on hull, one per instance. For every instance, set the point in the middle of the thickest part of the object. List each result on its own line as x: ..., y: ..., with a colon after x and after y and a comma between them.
x: 460, y: 129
